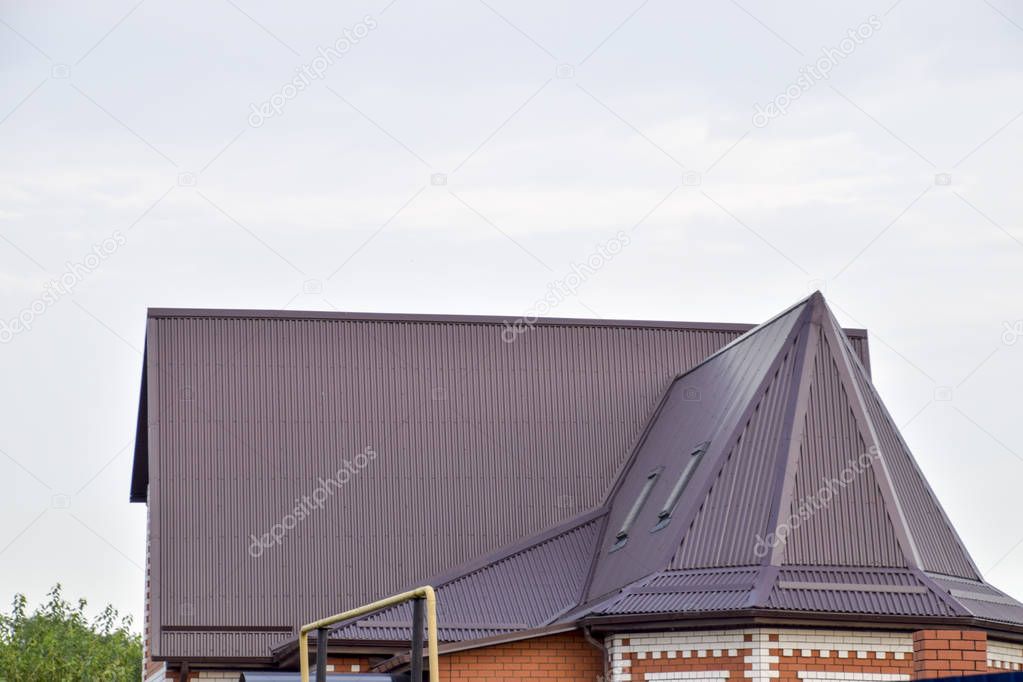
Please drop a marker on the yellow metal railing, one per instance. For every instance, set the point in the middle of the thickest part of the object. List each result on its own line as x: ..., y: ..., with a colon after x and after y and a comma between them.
x: 426, y: 593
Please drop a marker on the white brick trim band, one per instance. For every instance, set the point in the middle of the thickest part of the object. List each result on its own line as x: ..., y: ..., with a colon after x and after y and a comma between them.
x: 860, y: 641
x: 761, y: 653
x: 1004, y: 655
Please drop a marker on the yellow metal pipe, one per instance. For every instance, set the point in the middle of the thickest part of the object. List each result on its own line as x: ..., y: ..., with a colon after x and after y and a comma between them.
x: 418, y: 593
x: 431, y: 633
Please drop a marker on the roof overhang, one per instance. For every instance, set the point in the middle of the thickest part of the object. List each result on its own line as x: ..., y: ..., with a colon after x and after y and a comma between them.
x: 140, y: 461
x: 779, y: 618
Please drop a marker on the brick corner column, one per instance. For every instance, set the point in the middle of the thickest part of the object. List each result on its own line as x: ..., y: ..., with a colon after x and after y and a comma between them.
x: 949, y: 653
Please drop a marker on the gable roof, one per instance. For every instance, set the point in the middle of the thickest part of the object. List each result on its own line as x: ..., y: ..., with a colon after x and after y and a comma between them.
x: 479, y: 443
x: 797, y: 496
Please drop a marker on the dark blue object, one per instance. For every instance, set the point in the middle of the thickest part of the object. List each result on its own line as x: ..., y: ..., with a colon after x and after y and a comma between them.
x: 331, y: 677
x: 992, y: 677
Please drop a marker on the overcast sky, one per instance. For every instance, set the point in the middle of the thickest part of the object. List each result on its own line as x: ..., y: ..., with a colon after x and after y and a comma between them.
x: 460, y: 157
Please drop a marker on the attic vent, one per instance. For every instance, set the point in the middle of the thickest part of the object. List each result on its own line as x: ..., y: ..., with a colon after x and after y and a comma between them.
x: 622, y: 536
x: 664, y: 516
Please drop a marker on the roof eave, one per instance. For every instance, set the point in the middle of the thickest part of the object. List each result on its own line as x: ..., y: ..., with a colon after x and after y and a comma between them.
x: 777, y: 617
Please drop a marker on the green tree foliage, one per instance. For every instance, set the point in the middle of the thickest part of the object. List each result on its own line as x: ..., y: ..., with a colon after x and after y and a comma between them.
x: 59, y: 643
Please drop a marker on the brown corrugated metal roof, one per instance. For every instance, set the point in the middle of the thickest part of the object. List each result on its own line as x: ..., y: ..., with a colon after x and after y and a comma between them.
x: 535, y: 582
x: 799, y: 497
x: 674, y: 592
x: 981, y: 600
x: 887, y: 592
x: 867, y: 592
x: 478, y: 443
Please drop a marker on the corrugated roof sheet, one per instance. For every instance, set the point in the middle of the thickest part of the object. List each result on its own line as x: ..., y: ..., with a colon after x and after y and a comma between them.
x: 676, y: 591
x: 878, y: 592
x: 981, y: 600
x: 892, y: 592
x: 849, y: 591
x: 536, y: 584
x: 479, y: 443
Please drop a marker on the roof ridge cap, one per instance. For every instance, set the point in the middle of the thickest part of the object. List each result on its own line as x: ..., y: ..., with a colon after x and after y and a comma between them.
x: 839, y: 352
x: 439, y: 318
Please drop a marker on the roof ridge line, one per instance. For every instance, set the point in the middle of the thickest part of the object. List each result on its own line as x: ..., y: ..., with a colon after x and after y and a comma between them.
x: 591, y: 571
x: 869, y: 384
x: 727, y: 444
x: 448, y: 318
x: 438, y: 318
x: 882, y: 474
x: 941, y: 593
x: 586, y: 606
x: 749, y: 334
x: 634, y: 450
x: 795, y: 418
x: 616, y: 484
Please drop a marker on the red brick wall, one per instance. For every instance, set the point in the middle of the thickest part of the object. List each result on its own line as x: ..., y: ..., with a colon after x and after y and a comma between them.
x: 341, y: 665
x: 949, y: 653
x: 567, y: 657
x: 344, y: 665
